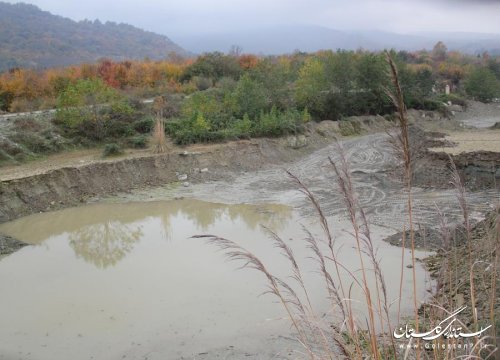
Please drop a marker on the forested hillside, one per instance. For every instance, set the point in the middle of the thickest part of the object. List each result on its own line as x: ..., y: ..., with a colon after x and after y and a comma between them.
x: 30, y: 37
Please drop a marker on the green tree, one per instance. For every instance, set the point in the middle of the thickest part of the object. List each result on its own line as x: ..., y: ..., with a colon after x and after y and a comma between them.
x: 213, y: 65
x: 312, y: 86
x: 276, y: 77
x: 215, y: 104
x: 482, y: 85
x: 440, y: 51
x: 340, y: 71
x: 371, y: 81
x: 250, y: 96
x: 494, y: 66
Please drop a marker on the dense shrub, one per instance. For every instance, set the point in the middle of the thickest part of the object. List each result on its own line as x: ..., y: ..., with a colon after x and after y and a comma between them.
x: 219, y: 96
x: 202, y: 83
x: 453, y: 98
x: 250, y: 97
x: 82, y: 101
x: 111, y: 150
x: 34, y: 142
x: 139, y: 141
x: 242, y: 128
x: 144, y: 125
x: 483, y: 85
x: 273, y: 123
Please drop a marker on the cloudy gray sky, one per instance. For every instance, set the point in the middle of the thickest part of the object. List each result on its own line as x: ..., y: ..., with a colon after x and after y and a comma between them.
x: 178, y: 17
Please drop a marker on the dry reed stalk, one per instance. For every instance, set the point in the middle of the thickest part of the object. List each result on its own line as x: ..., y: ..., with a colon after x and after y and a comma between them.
x: 496, y: 240
x: 287, y: 252
x: 396, y: 95
x: 276, y: 286
x: 460, y: 194
x: 326, y: 229
x: 344, y: 183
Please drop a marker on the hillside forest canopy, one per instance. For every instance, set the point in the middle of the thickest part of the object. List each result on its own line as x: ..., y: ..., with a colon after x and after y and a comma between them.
x: 220, y: 96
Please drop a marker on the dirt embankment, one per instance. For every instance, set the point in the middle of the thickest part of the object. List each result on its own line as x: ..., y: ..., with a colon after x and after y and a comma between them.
x: 69, y: 186
x: 451, y: 270
x: 479, y: 169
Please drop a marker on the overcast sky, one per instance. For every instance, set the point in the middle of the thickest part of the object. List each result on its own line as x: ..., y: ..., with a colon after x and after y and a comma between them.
x: 178, y: 17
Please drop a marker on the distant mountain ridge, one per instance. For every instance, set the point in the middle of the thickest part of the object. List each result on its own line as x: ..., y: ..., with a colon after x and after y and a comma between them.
x: 309, y: 38
x: 30, y: 37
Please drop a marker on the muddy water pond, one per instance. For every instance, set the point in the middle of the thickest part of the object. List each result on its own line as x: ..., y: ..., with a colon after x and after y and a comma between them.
x: 113, y: 281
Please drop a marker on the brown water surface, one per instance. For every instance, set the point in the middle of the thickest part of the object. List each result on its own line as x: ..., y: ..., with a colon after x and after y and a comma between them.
x: 112, y: 281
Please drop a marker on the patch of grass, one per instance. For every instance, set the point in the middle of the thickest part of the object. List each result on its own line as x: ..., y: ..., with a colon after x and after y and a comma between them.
x: 349, y: 127
x: 453, y: 98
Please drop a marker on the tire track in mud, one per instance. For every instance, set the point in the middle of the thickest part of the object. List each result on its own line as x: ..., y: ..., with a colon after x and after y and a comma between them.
x: 379, y: 192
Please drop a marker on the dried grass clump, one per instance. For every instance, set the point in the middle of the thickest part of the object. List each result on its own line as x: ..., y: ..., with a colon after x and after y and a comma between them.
x: 159, y: 141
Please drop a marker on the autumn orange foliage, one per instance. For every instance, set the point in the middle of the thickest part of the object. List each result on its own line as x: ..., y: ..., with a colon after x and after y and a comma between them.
x: 29, y: 84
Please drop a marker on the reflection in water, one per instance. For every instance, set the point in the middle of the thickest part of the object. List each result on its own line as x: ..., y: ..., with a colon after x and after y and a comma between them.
x: 103, y: 234
x: 104, y: 244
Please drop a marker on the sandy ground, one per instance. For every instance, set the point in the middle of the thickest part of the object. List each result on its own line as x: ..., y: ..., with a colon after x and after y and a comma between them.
x: 65, y: 159
x: 479, y: 115
x: 84, y: 157
x: 471, y: 140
